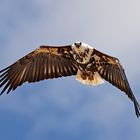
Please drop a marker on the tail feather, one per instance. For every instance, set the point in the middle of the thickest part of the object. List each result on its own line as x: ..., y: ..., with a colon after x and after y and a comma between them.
x: 89, y: 79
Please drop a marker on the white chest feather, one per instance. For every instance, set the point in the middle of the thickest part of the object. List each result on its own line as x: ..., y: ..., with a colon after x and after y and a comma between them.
x: 89, y: 78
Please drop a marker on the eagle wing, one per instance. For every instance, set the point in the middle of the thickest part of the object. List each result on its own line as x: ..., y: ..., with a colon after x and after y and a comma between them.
x: 111, y: 70
x: 43, y: 63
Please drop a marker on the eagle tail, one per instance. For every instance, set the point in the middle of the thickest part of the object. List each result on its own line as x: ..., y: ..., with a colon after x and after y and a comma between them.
x: 89, y: 79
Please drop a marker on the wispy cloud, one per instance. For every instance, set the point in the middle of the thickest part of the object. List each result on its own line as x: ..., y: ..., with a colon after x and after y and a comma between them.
x: 65, y: 108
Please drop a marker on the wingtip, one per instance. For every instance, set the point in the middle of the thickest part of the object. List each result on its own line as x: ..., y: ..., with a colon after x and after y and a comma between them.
x: 1, y: 92
x: 5, y: 69
x: 137, y: 108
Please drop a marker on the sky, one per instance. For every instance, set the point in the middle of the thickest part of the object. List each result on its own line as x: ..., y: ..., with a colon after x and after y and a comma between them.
x: 64, y: 108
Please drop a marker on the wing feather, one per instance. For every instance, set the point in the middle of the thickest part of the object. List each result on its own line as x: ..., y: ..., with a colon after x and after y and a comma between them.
x: 15, y: 80
x: 60, y: 68
x: 43, y: 63
x: 56, y: 72
x: 31, y: 72
x: 111, y: 70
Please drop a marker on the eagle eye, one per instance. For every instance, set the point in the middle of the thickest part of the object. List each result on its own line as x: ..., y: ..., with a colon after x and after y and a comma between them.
x: 78, y: 44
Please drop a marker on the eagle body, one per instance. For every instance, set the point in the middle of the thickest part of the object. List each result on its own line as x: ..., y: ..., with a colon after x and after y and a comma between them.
x: 90, y: 66
x: 87, y: 71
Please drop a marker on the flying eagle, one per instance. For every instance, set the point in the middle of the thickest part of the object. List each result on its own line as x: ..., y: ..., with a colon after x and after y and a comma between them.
x: 88, y: 64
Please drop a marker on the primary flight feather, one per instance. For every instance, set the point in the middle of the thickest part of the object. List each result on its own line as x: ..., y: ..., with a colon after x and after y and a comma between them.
x: 88, y: 64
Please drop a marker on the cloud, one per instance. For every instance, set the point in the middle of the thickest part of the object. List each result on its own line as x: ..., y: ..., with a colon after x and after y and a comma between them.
x: 64, y: 107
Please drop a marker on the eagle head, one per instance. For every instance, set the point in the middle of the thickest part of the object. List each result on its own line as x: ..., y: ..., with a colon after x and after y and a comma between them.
x: 82, y: 52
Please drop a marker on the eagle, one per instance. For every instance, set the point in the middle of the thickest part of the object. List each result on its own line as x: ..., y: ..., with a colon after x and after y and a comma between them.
x: 90, y: 66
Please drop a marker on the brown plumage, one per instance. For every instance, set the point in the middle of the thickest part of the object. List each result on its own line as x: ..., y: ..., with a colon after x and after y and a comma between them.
x: 43, y: 63
x: 49, y: 62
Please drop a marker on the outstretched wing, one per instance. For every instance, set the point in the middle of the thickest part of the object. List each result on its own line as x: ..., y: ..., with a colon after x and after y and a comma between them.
x: 111, y: 70
x: 43, y: 63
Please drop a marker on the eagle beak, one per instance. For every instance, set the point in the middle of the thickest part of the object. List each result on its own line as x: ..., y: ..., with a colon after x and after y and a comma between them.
x: 78, y: 44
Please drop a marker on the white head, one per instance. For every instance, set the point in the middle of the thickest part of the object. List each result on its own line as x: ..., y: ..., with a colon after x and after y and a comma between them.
x: 81, y: 45
x: 82, y: 52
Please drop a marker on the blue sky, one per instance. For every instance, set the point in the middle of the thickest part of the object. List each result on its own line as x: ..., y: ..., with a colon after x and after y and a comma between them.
x: 64, y: 108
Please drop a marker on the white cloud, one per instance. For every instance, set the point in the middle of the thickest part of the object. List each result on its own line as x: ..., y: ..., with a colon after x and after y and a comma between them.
x: 110, y: 26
